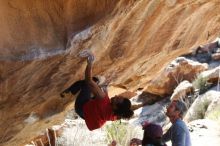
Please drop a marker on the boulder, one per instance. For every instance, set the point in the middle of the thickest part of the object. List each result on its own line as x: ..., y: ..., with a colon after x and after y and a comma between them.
x: 204, y: 106
x: 212, y: 75
x: 184, y: 91
x: 127, y: 94
x: 143, y: 99
x: 178, y: 70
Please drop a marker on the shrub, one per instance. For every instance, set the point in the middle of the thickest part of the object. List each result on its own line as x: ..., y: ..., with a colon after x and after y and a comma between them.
x: 201, y: 108
x: 121, y: 132
x: 201, y: 83
x: 215, y: 115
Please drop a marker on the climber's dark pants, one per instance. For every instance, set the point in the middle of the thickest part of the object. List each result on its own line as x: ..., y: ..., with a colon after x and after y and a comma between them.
x: 83, y: 97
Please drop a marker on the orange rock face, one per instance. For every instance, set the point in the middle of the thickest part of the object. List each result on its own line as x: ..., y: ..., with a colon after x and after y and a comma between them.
x: 28, y: 26
x: 177, y: 71
x: 132, y: 40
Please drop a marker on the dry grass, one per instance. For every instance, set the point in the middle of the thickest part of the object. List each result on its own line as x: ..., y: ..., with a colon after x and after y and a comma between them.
x: 121, y: 132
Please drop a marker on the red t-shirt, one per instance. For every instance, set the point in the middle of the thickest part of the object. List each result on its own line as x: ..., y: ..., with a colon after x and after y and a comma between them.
x: 97, y: 111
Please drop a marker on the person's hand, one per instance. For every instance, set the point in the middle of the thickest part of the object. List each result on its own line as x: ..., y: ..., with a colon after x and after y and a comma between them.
x: 135, y: 142
x: 88, y: 54
x: 84, y: 53
x: 90, y: 58
x: 113, y: 143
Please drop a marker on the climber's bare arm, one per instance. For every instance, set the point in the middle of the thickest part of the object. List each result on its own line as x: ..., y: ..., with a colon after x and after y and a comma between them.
x: 96, y: 90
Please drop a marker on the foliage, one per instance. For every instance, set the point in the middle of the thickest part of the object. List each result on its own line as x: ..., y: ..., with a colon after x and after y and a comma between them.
x: 201, y: 109
x: 121, y: 132
x: 201, y: 83
x: 215, y: 115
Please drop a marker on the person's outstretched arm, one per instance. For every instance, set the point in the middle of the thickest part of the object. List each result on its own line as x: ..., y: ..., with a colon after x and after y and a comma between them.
x: 96, y: 90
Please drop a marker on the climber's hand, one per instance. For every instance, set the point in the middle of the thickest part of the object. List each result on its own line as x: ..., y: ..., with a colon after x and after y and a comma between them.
x: 90, y: 58
x: 88, y: 54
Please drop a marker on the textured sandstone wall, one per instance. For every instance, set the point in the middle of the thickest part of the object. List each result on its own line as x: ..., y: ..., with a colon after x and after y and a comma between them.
x: 131, y: 39
x: 28, y: 25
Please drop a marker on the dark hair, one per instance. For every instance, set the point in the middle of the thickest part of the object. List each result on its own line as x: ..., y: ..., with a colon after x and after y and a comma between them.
x: 153, y: 135
x: 124, y: 109
x: 181, y: 107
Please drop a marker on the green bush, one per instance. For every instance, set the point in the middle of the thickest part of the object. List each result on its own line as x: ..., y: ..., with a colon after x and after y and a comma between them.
x: 201, y: 108
x: 215, y: 115
x: 201, y: 84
